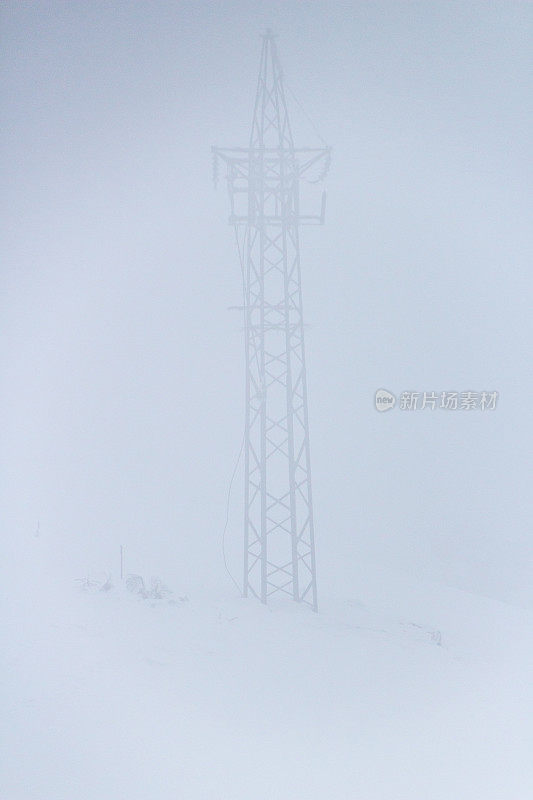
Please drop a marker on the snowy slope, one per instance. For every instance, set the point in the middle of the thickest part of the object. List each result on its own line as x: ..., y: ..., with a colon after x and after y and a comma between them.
x: 399, y: 691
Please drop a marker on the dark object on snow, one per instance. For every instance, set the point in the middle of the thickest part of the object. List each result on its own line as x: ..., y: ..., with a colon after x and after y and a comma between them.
x: 157, y: 590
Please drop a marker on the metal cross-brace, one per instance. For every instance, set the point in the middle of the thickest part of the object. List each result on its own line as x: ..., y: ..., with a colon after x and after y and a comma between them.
x: 263, y: 182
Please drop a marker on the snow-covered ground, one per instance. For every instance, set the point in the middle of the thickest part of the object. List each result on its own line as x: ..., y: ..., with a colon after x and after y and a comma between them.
x: 401, y: 690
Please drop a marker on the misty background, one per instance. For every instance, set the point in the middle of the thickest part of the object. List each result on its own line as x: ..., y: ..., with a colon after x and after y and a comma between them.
x: 122, y: 389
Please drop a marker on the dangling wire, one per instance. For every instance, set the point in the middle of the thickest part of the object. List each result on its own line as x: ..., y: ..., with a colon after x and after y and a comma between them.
x: 215, y: 170
x: 230, y: 486
x: 324, y: 171
x: 306, y: 115
x: 327, y: 161
x: 228, y: 497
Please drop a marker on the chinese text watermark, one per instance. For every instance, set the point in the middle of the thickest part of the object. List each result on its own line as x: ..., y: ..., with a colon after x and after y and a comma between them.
x: 448, y: 401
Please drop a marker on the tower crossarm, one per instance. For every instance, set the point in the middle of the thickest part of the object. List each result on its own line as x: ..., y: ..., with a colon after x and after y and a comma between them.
x: 271, y: 170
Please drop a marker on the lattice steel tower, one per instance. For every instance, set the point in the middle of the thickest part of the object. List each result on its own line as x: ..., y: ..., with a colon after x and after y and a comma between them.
x: 264, y: 182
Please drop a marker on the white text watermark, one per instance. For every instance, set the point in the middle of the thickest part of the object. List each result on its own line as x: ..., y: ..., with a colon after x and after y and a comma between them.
x: 447, y: 401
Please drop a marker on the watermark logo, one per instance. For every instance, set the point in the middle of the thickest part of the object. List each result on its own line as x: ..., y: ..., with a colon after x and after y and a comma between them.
x: 448, y: 401
x: 384, y: 400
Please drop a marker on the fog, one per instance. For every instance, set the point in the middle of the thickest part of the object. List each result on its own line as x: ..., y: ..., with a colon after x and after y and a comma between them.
x: 122, y: 400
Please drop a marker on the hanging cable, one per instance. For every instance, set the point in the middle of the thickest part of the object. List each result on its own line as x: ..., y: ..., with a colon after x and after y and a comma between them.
x: 230, y: 486
x: 228, y: 497
x: 306, y: 115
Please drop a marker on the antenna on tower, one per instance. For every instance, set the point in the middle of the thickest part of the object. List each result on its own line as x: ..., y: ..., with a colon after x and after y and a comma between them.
x: 263, y: 181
